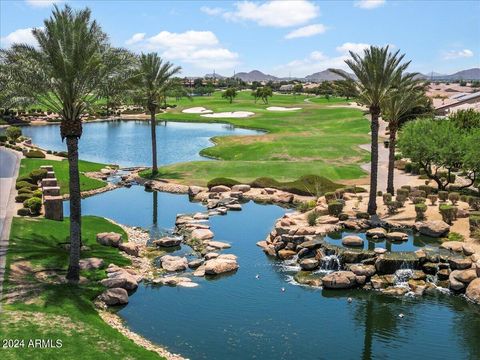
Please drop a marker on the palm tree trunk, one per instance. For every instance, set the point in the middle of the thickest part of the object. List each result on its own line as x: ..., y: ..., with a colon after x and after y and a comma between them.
x: 372, y: 200
x: 73, y: 273
x: 391, y: 159
x: 153, y: 127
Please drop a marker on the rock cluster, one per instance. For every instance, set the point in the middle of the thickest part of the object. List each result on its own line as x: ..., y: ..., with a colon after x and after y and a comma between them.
x: 119, y: 282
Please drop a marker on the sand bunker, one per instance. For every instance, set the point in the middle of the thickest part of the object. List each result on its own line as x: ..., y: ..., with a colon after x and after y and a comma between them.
x: 281, y: 108
x: 234, y: 114
x: 197, y: 110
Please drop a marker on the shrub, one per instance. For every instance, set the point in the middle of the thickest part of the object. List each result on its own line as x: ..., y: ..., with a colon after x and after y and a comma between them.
x: 420, y: 209
x: 24, y: 184
x: 403, y: 192
x: 426, y: 188
x: 25, y: 191
x: 417, y: 193
x: 13, y: 133
x: 335, y: 208
x: 221, y: 181
x: 62, y: 154
x: 35, y: 154
x: 379, y: 193
x: 448, y: 212
x: 38, y: 193
x: 330, y: 196
x: 433, y: 198
x: 26, y: 178
x: 305, y: 206
x: 398, y: 156
x: 3, y: 138
x: 34, y: 204
x: 464, y: 198
x: 343, y: 216
x: 49, y: 151
x: 20, y: 198
x: 418, y: 200
x: 306, y: 185
x: 312, y: 218
x: 23, y: 212
x: 415, y: 169
x: 339, y: 193
x: 474, y: 202
x: 387, y: 197
x: 354, y: 189
x: 474, y: 221
x: 443, y: 195
x: 400, y: 200
x: 362, y: 215
x: 392, y: 207
x: 406, y: 187
x: 408, y: 167
x: 454, y: 197
x: 38, y: 175
x: 454, y: 236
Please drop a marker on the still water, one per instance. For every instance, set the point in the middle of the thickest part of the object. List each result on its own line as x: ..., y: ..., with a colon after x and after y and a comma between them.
x: 242, y: 317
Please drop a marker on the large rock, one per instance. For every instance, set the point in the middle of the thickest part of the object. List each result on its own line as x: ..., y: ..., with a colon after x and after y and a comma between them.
x: 455, y: 284
x: 109, y: 239
x: 168, y: 241
x: 395, y: 291
x: 352, y: 240
x: 286, y: 254
x: 122, y: 280
x: 433, y: 228
x: 363, y: 270
x: 202, y: 234
x: 174, y: 263
x: 339, y: 280
x: 241, y: 187
x: 220, y: 266
x: 460, y: 263
x: 466, y: 276
x: 456, y: 246
x: 130, y: 248
x: 309, y: 264
x: 377, y: 232
x: 194, y: 190
x: 114, y: 296
x: 91, y: 263
x: 193, y: 264
x: 473, y: 291
x: 219, y: 189
x: 397, y: 236
x: 283, y: 198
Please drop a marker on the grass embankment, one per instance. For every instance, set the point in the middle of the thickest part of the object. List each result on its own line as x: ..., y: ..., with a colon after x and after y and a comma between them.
x: 61, y: 172
x: 316, y: 140
x: 37, y: 307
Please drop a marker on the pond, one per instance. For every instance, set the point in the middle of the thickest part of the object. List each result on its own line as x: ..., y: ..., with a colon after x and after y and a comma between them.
x: 127, y: 142
x: 414, y: 242
x: 241, y: 316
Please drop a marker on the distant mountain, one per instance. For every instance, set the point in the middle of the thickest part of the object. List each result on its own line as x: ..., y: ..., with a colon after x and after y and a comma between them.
x: 327, y: 75
x: 469, y: 74
x: 216, y: 76
x: 255, y: 75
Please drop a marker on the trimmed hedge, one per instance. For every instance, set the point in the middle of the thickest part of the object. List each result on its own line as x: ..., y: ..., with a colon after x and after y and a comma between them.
x: 25, y: 191
x: 20, y: 198
x: 35, y: 154
x: 34, y: 204
x: 38, y: 175
x: 24, y: 184
x: 222, y: 181
x: 335, y: 208
x: 306, y: 185
x: 23, y: 212
x: 26, y: 178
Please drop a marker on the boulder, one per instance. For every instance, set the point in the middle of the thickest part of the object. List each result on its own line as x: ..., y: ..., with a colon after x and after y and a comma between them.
x: 430, y: 268
x: 311, y: 244
x: 200, y: 271
x: 468, y: 249
x: 122, y: 280
x: 202, y: 234
x: 200, y: 216
x: 194, y: 190
x: 389, y: 264
x: 421, y: 254
x: 211, y: 255
x: 227, y: 256
x: 377, y: 232
x: 339, y: 280
x: 395, y: 291
x: 114, y: 296
x: 91, y: 263
x: 473, y: 291
x: 218, y: 244
x: 465, y: 276
x: 286, y: 254
x: 417, y: 286
x: 443, y: 274
x: 220, y: 266
x: 195, y: 263
x: 379, y: 251
x: 270, y: 191
x: 173, y: 263
x: 130, y: 248
x: 171, y: 280
x: 455, y: 284
x: 241, y: 187
x: 234, y: 207
x: 219, y: 189
x: 309, y: 264
x: 283, y: 198
x: 397, y: 236
x: 363, y: 270
x: 352, y: 240
x: 380, y: 282
x: 327, y: 219
x: 109, y: 239
x: 168, y: 241
x: 460, y: 263
x: 433, y: 228
x: 456, y: 246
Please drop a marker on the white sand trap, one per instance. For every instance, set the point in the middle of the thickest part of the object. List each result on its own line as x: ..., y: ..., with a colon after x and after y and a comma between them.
x: 234, y: 114
x: 281, y: 108
x: 197, y: 110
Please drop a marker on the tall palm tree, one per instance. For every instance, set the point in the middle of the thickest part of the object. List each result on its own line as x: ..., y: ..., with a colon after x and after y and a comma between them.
x: 377, y: 71
x: 63, y: 73
x: 406, y: 100
x: 151, y: 83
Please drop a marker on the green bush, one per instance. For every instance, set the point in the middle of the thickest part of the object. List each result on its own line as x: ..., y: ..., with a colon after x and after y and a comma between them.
x: 312, y: 218
x: 343, y: 217
x: 24, y: 184
x: 306, y: 206
x: 408, y: 167
x: 26, y: 178
x: 330, y: 196
x: 474, y: 202
x: 420, y: 209
x: 443, y: 195
x: 454, y: 197
x: 433, y: 198
x: 3, y: 138
x: 38, y: 175
x: 403, y: 192
x: 13, y: 133
x: 393, y: 207
x: 448, y: 212
x: 464, y: 198
x: 354, y: 189
x: 339, y: 193
x: 222, y: 181
x: 35, y: 154
x: 474, y: 221
x: 308, y: 185
x: 406, y: 187
x: 335, y: 208
x: 418, y: 200
x: 387, y: 197
x: 20, y: 198
x: 379, y: 193
x: 62, y: 154
x: 362, y: 215
x: 426, y: 188
x: 23, y: 212
x: 415, y: 169
x: 398, y: 156
x: 34, y: 204
x: 25, y: 191
x: 38, y: 193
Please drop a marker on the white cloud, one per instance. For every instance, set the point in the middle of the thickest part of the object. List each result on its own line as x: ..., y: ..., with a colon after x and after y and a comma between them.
x: 202, y: 49
x: 306, y: 31
x: 212, y: 11
x: 274, y: 13
x: 43, y: 3
x: 457, y: 54
x: 369, y: 4
x: 354, y: 47
x: 20, y: 36
x: 135, y: 38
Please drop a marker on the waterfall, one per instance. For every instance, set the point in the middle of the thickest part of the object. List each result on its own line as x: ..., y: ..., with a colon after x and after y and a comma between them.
x: 291, y: 264
x: 330, y: 263
x: 402, y: 276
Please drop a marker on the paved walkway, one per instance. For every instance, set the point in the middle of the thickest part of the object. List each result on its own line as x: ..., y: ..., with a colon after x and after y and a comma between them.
x: 9, y: 164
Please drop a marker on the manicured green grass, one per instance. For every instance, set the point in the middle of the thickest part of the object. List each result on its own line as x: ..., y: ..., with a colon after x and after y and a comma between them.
x: 316, y: 140
x: 61, y: 172
x: 60, y: 311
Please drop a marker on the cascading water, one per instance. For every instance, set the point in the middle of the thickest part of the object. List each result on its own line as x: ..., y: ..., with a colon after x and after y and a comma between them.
x: 291, y: 264
x: 328, y: 264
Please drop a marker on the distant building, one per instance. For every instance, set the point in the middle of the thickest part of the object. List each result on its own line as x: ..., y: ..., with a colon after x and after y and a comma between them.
x: 459, y: 102
x: 286, y: 88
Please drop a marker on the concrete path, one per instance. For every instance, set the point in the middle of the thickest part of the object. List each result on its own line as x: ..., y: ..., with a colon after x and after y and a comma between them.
x: 9, y: 165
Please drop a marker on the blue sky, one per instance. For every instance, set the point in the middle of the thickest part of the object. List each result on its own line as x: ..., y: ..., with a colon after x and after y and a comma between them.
x: 277, y: 37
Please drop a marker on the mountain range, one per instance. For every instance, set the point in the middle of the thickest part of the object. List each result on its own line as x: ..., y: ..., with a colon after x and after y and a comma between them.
x: 328, y: 75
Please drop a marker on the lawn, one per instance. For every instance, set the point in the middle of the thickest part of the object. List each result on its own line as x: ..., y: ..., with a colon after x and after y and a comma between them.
x: 38, y: 245
x: 61, y: 172
x: 317, y: 140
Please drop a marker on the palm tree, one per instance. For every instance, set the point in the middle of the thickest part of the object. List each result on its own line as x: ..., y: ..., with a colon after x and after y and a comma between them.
x: 63, y: 74
x: 377, y: 71
x: 151, y: 84
x: 406, y: 100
